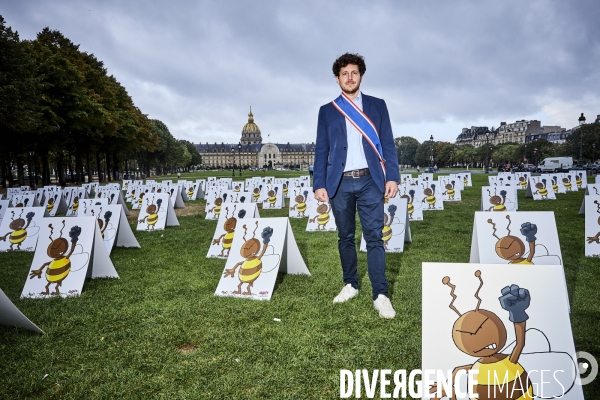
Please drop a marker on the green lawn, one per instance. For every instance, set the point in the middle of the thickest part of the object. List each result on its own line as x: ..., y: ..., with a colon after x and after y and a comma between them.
x: 158, y: 331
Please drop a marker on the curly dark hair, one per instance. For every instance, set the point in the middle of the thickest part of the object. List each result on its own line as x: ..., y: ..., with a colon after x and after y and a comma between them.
x: 349, y: 58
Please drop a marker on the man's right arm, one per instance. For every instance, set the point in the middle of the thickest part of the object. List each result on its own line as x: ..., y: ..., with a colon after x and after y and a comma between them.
x: 321, y: 157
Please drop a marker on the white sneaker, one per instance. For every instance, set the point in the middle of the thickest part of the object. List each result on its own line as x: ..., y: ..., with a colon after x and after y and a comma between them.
x: 346, y: 294
x: 384, y: 306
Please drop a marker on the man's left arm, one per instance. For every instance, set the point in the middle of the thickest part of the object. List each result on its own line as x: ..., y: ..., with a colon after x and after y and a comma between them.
x: 386, y: 137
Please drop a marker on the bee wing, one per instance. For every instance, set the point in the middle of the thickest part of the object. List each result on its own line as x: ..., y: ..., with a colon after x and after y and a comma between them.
x: 162, y: 214
x: 79, y: 260
x: 560, y: 373
x: 32, y: 231
x: 109, y: 234
x: 270, y: 262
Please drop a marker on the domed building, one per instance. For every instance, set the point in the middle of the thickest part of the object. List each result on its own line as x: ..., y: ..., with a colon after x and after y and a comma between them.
x: 251, y: 152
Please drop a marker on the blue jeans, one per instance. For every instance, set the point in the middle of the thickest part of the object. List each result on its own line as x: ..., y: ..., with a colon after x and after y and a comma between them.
x: 362, y: 194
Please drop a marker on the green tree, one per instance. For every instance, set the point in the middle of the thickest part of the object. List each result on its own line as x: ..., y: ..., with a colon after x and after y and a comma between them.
x: 408, y: 146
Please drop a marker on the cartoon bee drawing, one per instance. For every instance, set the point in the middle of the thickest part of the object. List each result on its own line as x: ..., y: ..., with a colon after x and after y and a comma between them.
x: 450, y: 190
x: 132, y: 196
x: 152, y: 210
x: 322, y: 218
x: 20, y: 229
x: 300, y: 205
x: 272, y: 197
x: 75, y: 206
x: 501, y: 368
x: 410, y: 198
x: 430, y: 197
x: 256, y: 193
x: 236, y: 188
x: 106, y: 229
x: 386, y: 232
x: 190, y: 192
x: 512, y: 248
x: 541, y: 189
x: 140, y: 201
x: 285, y: 188
x: 252, y: 266
x: 579, y: 179
x: 567, y: 182
x: 111, y: 199
x: 523, y: 182
x: 229, y: 228
x: 51, y: 202
x: 555, y: 184
x: 216, y: 210
x: 61, y: 263
x: 498, y: 202
x: 595, y: 239
x: 481, y: 333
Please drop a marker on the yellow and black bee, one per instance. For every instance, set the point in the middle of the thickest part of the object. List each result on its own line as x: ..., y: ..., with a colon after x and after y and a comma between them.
x: 481, y: 333
x: 152, y: 217
x: 567, y: 182
x: 229, y: 227
x: 578, y: 179
x: 541, y: 189
x: 19, y: 228
x: 498, y: 202
x: 410, y: 198
x: 386, y: 232
x: 450, y: 191
x: 51, y: 203
x: 272, y: 197
x: 251, y: 267
x: 523, y: 182
x: 300, y: 205
x: 256, y: 193
x: 322, y: 218
x: 216, y: 210
x: 430, y: 197
x: 60, y: 265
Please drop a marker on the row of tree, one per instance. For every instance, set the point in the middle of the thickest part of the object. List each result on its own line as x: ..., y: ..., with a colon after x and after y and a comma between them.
x: 446, y: 154
x: 62, y: 114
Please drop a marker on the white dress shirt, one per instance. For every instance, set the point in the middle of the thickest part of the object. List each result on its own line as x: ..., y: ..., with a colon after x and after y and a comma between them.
x: 355, y: 157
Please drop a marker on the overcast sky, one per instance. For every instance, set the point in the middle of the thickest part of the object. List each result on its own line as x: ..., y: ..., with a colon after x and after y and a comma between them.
x: 440, y: 65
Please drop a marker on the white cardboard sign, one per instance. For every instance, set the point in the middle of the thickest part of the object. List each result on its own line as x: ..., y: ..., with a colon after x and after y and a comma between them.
x: 431, y: 196
x: 156, y: 213
x: 580, y: 178
x: 225, y: 231
x: 76, y: 196
x: 20, y: 228
x: 499, y: 199
x: 272, y: 197
x: 3, y: 207
x: 527, y: 237
x: 522, y: 179
x: 69, y: 251
x: 396, y: 226
x: 592, y: 226
x: 450, y: 189
x: 113, y: 225
x: 486, y: 311
x: 10, y: 315
x: 320, y: 217
x: 24, y: 200
x: 261, y: 248
x: 556, y: 182
x: 540, y: 189
x: 55, y: 203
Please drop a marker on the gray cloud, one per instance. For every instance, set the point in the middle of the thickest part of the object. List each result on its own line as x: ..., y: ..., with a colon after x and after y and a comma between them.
x: 197, y: 66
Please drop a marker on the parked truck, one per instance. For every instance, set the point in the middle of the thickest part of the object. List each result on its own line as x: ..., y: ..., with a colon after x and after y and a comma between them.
x: 556, y: 164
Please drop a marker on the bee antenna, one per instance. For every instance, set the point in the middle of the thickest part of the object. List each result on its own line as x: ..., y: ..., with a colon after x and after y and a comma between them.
x: 233, y: 212
x: 226, y: 211
x: 489, y: 193
x: 63, y: 227
x: 446, y: 281
x: 509, y: 222
x: 253, y: 233
x: 13, y: 216
x: 494, y: 226
x: 478, y: 274
x: 245, y: 231
x: 51, y: 231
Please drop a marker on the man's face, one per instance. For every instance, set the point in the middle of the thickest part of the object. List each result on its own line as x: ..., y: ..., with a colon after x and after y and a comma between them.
x: 349, y: 79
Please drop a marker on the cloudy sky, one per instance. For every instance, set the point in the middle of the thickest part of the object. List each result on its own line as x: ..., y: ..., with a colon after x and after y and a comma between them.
x: 440, y: 65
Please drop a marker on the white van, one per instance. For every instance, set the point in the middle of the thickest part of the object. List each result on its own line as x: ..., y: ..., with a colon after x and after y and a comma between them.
x: 556, y: 164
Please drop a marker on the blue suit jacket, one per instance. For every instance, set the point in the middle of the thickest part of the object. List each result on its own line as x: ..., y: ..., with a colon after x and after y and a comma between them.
x: 332, y: 142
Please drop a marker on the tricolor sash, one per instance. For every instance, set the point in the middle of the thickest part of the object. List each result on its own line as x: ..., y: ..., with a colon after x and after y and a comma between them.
x: 362, y: 123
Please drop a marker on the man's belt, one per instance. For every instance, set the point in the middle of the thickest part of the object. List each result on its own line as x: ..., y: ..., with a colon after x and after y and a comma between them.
x: 357, y: 173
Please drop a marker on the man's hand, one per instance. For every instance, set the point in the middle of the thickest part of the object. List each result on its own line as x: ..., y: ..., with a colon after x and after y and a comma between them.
x: 321, y: 195
x: 391, y: 189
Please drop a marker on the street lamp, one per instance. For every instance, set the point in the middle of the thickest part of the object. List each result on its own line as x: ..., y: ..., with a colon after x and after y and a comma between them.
x: 535, y: 158
x: 240, y: 156
x: 487, y: 156
x: 431, y: 156
x: 593, y: 153
x: 233, y: 161
x: 581, y: 122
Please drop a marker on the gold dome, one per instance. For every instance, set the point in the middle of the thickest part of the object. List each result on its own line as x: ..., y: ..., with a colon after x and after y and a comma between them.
x: 250, y: 127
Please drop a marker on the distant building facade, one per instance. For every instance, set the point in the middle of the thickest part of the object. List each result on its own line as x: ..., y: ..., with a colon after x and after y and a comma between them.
x: 251, y: 152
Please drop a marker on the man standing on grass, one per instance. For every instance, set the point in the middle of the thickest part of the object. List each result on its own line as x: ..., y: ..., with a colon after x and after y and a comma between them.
x: 355, y: 167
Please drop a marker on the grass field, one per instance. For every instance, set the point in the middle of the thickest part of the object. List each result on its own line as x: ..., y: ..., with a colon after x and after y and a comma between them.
x: 158, y: 331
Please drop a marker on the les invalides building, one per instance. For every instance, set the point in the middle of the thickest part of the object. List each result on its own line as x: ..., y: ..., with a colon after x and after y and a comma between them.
x: 252, y: 152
